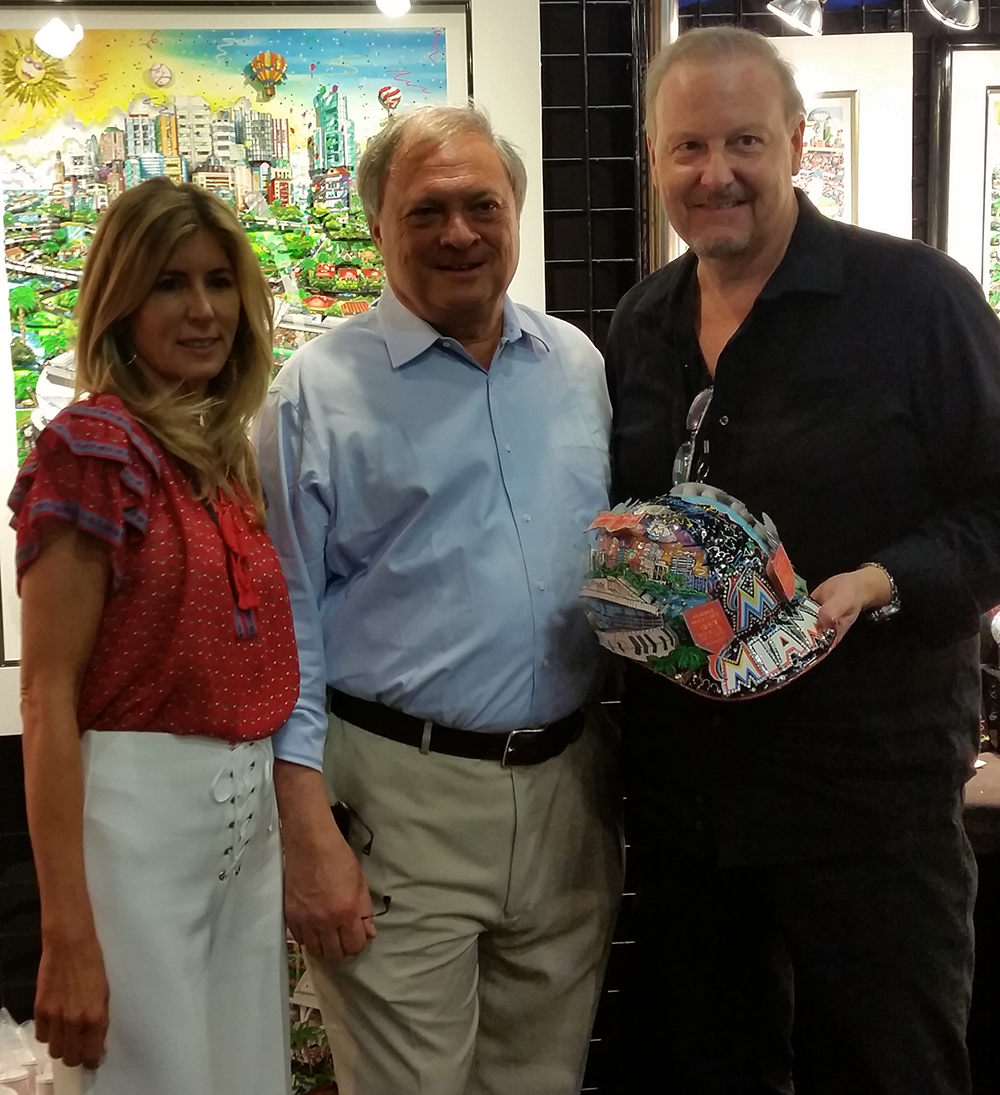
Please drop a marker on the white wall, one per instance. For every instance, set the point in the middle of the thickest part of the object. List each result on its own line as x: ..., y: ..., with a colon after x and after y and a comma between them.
x: 507, y: 83
x: 506, y: 56
x: 880, y: 68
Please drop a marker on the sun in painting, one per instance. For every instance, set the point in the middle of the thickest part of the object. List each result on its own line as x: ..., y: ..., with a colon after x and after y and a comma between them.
x: 31, y: 77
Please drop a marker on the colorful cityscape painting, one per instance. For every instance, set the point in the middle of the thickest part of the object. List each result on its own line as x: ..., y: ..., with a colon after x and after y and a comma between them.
x: 271, y: 119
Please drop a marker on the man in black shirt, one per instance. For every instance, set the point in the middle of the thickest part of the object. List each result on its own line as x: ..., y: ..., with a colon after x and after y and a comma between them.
x: 805, y: 885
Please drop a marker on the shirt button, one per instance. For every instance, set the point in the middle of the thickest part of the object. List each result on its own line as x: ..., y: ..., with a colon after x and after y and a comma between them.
x: 724, y: 420
x: 507, y: 447
x: 526, y: 516
x: 541, y: 585
x: 545, y: 662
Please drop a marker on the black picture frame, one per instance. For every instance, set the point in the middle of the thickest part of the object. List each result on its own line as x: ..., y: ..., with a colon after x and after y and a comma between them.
x: 943, y: 50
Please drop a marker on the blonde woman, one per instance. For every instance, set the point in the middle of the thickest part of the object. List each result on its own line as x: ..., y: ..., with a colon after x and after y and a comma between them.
x: 157, y: 659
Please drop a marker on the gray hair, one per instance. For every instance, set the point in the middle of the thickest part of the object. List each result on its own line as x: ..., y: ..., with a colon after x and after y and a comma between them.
x: 431, y: 125
x: 718, y: 44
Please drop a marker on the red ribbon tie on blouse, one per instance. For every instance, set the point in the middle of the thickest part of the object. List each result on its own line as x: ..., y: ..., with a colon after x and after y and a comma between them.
x: 232, y: 537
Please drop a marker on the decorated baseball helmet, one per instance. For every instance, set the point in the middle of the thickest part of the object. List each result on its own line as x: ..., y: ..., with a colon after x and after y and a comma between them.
x: 695, y: 587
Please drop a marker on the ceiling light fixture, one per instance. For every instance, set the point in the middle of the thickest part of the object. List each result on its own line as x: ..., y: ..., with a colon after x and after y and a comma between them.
x: 803, y: 15
x: 963, y: 14
x: 57, y: 40
x: 393, y: 8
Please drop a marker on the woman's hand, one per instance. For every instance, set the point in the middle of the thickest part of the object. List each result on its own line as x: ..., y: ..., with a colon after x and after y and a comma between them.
x: 71, y: 1000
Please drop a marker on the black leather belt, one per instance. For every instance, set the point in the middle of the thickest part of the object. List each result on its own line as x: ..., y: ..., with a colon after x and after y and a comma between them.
x: 529, y: 745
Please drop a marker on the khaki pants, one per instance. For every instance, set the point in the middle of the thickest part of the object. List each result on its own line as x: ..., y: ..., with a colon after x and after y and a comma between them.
x: 502, y: 887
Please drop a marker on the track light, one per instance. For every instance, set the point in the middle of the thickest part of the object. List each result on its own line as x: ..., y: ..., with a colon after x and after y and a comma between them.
x: 393, y: 8
x: 963, y: 14
x: 807, y: 15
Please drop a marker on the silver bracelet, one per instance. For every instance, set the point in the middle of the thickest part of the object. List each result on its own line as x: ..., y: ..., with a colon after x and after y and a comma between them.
x: 886, y: 611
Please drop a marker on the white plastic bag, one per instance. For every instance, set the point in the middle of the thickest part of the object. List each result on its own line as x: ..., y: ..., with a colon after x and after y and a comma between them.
x: 17, y: 1061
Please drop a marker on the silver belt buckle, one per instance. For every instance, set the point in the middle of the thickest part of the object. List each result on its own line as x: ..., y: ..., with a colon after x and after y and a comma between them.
x: 510, y: 740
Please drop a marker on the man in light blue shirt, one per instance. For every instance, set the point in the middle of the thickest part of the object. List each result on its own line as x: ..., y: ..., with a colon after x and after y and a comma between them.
x: 431, y: 468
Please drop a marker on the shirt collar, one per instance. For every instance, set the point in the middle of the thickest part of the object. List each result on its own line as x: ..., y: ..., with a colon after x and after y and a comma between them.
x: 518, y: 323
x: 407, y: 336
x: 813, y: 262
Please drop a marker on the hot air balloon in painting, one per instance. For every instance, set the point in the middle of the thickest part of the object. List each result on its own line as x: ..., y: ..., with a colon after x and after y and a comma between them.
x: 390, y: 98
x: 268, y: 68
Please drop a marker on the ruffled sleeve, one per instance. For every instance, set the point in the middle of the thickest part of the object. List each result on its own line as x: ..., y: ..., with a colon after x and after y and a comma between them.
x: 92, y: 467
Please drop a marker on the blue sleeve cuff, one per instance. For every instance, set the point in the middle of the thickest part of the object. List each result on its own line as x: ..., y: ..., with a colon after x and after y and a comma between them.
x: 301, y: 741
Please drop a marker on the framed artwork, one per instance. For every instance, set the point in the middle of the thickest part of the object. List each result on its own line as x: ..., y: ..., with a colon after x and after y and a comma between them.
x: 872, y: 118
x: 830, y: 154
x: 267, y: 106
x: 964, y: 192
x: 990, y: 276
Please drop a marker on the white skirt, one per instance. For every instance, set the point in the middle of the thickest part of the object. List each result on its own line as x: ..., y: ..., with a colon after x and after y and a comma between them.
x: 183, y: 863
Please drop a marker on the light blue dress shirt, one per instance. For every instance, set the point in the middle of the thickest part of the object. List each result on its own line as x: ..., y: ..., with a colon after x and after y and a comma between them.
x: 431, y: 519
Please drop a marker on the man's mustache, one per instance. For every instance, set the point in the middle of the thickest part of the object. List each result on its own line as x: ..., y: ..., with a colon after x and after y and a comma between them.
x: 723, y: 197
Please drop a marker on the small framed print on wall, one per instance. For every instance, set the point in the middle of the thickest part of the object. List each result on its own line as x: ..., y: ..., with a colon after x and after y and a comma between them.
x: 829, y: 172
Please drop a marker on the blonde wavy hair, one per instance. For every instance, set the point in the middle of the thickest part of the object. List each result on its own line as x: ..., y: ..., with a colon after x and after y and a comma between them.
x: 130, y: 247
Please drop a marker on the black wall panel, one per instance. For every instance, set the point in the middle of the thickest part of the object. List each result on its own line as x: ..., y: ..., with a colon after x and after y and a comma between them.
x: 593, y: 185
x: 591, y: 175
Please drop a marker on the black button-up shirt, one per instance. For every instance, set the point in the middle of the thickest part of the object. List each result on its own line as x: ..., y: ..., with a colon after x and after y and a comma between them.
x: 859, y: 406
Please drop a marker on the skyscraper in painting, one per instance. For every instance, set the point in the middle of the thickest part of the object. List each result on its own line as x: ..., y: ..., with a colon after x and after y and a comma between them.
x: 333, y: 140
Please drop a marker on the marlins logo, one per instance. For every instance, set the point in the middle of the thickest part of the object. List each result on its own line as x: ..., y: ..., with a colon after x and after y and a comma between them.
x: 748, y: 600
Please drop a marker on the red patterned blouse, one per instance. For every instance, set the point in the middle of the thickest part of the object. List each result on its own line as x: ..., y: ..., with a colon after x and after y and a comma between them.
x: 196, y: 636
